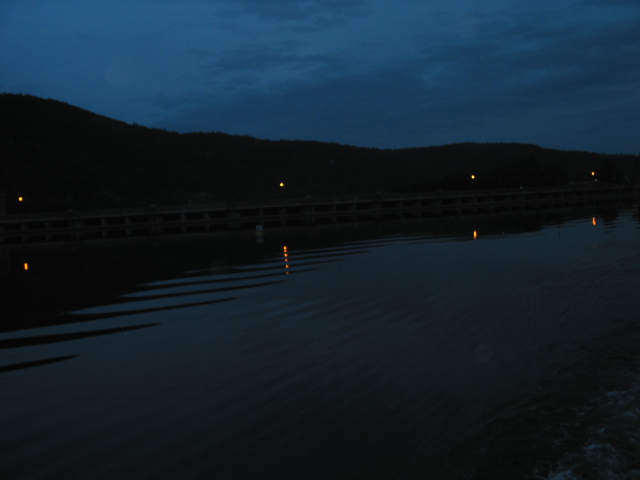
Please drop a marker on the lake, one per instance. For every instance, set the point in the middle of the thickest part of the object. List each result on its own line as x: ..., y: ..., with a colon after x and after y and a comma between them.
x: 497, y: 347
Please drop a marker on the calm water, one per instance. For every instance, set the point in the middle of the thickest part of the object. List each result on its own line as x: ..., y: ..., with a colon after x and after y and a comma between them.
x: 497, y: 348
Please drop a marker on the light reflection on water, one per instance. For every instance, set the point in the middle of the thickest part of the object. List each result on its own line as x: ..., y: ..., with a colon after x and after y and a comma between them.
x: 303, y: 357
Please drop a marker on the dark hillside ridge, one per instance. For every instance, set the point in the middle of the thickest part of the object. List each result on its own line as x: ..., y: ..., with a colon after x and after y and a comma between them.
x: 60, y: 157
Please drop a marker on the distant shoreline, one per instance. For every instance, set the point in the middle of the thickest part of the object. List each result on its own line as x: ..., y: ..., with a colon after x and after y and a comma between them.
x: 58, y: 157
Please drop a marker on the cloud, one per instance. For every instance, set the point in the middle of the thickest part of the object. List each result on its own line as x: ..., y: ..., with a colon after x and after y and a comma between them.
x: 300, y: 9
x: 542, y: 76
x: 299, y: 15
x: 566, y: 78
x: 366, y: 72
x: 609, y: 3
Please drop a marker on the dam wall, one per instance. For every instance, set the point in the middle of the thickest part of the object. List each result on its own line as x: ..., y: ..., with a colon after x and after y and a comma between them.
x: 262, y: 216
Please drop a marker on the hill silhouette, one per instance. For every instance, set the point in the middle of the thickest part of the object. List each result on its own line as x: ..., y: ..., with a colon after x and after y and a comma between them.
x: 61, y: 157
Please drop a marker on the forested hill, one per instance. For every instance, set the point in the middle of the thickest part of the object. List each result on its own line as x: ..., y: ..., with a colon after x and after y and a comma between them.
x: 60, y: 157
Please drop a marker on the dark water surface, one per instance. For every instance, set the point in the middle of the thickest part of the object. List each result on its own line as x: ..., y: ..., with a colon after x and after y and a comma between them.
x: 499, y: 348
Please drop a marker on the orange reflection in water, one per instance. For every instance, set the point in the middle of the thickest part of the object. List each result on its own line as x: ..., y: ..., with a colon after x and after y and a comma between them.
x: 26, y: 266
x: 594, y: 220
x: 475, y: 234
x: 286, y: 259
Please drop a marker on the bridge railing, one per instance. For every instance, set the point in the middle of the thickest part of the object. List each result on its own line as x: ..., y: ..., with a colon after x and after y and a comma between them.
x: 312, y: 200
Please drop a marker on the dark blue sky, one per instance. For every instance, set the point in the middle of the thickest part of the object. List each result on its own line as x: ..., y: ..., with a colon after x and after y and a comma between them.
x: 383, y: 73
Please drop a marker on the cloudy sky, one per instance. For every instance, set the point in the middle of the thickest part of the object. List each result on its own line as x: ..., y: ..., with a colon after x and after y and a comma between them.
x: 382, y: 73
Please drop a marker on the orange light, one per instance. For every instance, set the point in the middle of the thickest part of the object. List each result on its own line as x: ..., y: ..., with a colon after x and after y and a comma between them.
x: 594, y: 220
x: 281, y: 184
x: 20, y: 199
x: 473, y: 177
x: 475, y: 234
x: 593, y: 174
x: 26, y: 266
x: 285, y: 249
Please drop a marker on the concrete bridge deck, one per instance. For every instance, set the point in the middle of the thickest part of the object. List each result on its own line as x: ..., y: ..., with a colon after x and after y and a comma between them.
x: 247, y: 216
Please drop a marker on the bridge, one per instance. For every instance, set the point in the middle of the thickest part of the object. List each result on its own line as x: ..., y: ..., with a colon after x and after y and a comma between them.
x: 261, y: 216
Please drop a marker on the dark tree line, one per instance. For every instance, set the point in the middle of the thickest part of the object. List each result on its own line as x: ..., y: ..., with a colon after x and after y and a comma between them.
x: 60, y: 157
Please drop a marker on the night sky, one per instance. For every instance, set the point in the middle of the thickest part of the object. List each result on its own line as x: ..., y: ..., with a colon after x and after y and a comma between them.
x: 562, y: 74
